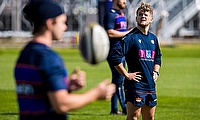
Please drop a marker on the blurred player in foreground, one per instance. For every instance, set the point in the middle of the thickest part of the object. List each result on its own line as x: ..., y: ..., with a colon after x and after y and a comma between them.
x: 116, y: 26
x: 143, y: 56
x: 42, y: 82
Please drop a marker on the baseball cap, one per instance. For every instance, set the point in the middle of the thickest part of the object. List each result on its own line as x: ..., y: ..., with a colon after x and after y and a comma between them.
x: 38, y: 11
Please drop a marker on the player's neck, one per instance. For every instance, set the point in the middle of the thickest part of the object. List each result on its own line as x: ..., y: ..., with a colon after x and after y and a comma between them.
x: 43, y: 39
x: 116, y: 7
x: 144, y: 30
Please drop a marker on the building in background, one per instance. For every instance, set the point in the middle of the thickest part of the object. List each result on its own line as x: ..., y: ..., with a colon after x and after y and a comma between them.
x: 172, y: 17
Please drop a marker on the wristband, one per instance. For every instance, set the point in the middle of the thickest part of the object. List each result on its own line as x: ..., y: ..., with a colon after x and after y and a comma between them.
x: 156, y: 72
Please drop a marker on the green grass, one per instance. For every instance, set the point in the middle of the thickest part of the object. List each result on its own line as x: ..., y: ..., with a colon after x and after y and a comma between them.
x: 178, y: 85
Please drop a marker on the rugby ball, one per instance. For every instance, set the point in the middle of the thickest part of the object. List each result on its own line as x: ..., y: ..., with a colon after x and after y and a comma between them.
x: 93, y: 43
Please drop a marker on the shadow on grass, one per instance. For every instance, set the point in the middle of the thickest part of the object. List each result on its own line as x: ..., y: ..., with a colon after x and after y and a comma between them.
x: 87, y: 114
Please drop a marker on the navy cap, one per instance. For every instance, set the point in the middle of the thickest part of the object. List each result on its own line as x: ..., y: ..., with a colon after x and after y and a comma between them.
x: 38, y: 11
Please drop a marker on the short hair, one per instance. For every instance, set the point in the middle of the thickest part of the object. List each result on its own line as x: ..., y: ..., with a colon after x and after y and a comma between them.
x: 145, y: 7
x: 40, y: 29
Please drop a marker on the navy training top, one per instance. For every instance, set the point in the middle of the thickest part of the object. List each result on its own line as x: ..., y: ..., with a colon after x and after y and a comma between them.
x: 142, y: 52
x: 37, y: 71
x: 115, y: 19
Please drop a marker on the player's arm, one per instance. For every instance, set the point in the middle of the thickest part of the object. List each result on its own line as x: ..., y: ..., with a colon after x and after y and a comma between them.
x: 59, y: 97
x: 62, y: 101
x: 109, y: 25
x: 156, y: 67
x: 156, y: 71
x: 130, y: 76
x: 120, y: 68
x: 116, y: 34
x: 157, y: 62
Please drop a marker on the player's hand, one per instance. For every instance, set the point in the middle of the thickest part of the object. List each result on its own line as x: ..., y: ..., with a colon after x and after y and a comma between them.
x: 77, y: 79
x: 130, y: 28
x: 155, y: 75
x: 105, y: 90
x: 136, y: 76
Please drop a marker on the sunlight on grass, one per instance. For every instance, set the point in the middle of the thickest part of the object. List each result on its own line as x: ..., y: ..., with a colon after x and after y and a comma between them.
x: 177, y: 86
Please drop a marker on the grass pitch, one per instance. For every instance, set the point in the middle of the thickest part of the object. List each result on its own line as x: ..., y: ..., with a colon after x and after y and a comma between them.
x: 177, y: 87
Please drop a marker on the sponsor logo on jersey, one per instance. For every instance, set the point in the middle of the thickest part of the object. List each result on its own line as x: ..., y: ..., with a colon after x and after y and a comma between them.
x: 25, y: 89
x: 147, y: 54
x: 152, y: 41
x: 140, y: 41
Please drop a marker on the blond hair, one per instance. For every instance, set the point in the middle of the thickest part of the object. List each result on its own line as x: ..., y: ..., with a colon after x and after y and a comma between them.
x: 145, y: 7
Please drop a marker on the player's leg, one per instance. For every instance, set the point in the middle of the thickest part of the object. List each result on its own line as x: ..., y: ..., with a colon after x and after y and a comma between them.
x: 114, y: 105
x: 119, y: 80
x: 148, y: 112
x: 122, y: 102
x: 120, y: 94
x: 133, y: 112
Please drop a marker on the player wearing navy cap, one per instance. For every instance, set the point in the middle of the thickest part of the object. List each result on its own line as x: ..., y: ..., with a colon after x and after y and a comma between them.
x: 116, y: 26
x: 143, y: 56
x: 43, y: 85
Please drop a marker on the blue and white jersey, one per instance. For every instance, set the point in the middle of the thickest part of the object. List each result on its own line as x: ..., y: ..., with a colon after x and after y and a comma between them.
x: 142, y: 52
x: 115, y: 20
x: 38, y: 70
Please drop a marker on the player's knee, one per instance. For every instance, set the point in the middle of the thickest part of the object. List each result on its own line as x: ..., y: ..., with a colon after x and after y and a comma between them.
x: 135, y: 118
x: 130, y: 117
x: 152, y: 118
x: 149, y: 118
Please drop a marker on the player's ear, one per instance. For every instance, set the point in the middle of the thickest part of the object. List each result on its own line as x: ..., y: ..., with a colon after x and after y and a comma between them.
x: 49, y: 24
x: 151, y: 20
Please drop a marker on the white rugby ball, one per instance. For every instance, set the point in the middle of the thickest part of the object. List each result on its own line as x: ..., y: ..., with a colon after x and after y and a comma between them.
x: 94, y: 43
